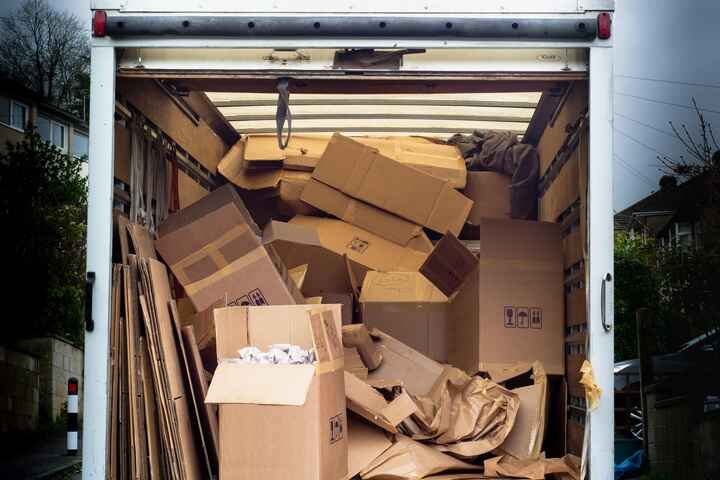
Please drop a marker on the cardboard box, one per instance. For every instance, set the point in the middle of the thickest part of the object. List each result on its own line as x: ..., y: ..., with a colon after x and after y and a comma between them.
x: 441, y: 161
x: 490, y: 193
x: 408, y: 307
x: 280, y: 421
x: 214, y: 252
x: 510, y: 307
x: 303, y: 153
x: 449, y: 264
x: 357, y: 336
x: 403, y: 365
x: 290, y: 190
x: 362, y: 173
x: 233, y: 167
x: 347, y: 300
x: 325, y: 243
x: 361, y: 214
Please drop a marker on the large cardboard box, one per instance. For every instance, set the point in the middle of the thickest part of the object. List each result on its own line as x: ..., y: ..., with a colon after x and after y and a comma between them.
x: 361, y: 214
x: 333, y: 248
x: 441, y: 161
x: 304, y: 151
x: 363, y: 173
x: 408, y: 307
x: 280, y: 421
x: 490, y: 193
x: 510, y: 306
x: 215, y: 253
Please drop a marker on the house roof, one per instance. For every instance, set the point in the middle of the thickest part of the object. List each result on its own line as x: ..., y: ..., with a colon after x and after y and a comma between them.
x: 18, y: 91
x: 656, y: 211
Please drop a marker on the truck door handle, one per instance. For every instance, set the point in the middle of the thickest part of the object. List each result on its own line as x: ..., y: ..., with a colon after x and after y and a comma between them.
x: 603, y: 302
x: 89, y: 284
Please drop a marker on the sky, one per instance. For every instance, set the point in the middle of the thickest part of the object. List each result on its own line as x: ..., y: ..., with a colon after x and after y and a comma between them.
x: 665, y: 54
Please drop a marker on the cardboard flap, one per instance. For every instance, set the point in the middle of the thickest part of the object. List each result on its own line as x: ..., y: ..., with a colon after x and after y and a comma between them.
x: 369, y: 404
x: 449, y: 264
x: 235, y: 382
x: 400, y: 287
x: 365, y: 444
x: 361, y: 214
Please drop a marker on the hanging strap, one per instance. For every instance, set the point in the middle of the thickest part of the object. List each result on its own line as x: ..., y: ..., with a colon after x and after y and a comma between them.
x: 283, y: 112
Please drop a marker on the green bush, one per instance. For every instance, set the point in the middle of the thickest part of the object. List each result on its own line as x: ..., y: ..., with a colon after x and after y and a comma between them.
x: 43, y: 204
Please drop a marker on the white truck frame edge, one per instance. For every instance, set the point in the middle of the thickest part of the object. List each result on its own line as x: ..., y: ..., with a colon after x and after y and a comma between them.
x: 599, y: 422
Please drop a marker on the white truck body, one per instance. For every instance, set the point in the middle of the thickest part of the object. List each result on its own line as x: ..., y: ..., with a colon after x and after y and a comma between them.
x: 244, y: 53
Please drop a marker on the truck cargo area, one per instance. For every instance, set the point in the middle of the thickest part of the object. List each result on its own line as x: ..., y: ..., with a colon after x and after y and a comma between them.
x: 336, y: 263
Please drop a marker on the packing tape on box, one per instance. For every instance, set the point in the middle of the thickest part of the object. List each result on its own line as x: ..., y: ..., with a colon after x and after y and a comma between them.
x: 331, y: 366
x: 212, y: 250
x: 228, y: 269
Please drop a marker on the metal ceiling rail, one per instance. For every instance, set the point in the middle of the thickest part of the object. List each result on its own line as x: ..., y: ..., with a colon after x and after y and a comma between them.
x: 381, y: 116
x: 416, y: 131
x: 579, y: 28
x: 378, y: 101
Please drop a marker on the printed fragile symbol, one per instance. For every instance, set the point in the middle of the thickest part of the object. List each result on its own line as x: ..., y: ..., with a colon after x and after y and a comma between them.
x: 536, y: 318
x: 358, y: 245
x: 336, y: 428
x: 510, y: 319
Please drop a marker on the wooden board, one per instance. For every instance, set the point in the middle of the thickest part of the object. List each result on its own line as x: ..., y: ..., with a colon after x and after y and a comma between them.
x: 189, y: 191
x: 209, y: 417
x: 554, y: 134
x: 135, y: 390
x: 170, y: 388
x: 142, y: 241
x: 190, y: 392
x: 150, y: 411
x: 114, y: 393
x: 122, y: 230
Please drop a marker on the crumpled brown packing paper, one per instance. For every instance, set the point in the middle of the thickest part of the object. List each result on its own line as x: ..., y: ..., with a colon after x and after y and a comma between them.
x: 411, y: 460
x: 508, y: 466
x: 463, y: 415
x: 592, y: 391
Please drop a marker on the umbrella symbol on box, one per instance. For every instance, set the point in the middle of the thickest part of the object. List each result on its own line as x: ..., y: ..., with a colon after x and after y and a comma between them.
x: 523, y: 315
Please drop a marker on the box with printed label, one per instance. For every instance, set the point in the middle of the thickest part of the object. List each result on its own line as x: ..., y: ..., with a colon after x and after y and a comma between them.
x: 280, y: 421
x: 510, y: 307
x: 214, y: 250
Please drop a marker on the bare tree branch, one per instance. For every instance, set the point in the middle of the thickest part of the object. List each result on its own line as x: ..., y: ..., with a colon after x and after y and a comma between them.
x: 45, y: 49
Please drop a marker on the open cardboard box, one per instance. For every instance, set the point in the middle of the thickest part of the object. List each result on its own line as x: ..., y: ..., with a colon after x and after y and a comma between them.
x: 507, y: 306
x: 325, y: 244
x: 280, y: 421
x: 408, y: 307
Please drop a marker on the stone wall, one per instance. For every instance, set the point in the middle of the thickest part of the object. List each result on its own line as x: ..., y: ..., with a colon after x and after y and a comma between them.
x: 19, y: 390
x: 58, y: 361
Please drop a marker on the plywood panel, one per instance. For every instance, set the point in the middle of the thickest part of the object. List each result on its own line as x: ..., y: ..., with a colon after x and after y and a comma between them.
x: 189, y: 190
x: 199, y: 140
x: 562, y: 193
x: 554, y: 135
x: 122, y: 152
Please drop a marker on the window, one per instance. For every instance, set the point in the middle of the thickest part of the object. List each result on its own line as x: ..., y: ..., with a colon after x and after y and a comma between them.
x: 53, y: 132
x: 13, y: 114
x: 80, y: 144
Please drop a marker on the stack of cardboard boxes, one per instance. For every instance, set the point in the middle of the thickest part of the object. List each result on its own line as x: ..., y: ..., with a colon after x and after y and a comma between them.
x: 389, y: 314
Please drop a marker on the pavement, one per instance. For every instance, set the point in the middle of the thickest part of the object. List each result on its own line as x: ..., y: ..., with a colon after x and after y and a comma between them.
x: 39, y: 457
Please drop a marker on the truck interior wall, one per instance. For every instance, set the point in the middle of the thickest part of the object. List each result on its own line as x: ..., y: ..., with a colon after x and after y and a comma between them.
x: 564, y: 200
x: 193, y: 135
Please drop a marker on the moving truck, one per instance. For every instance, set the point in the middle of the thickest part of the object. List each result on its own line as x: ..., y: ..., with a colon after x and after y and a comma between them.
x: 202, y: 74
